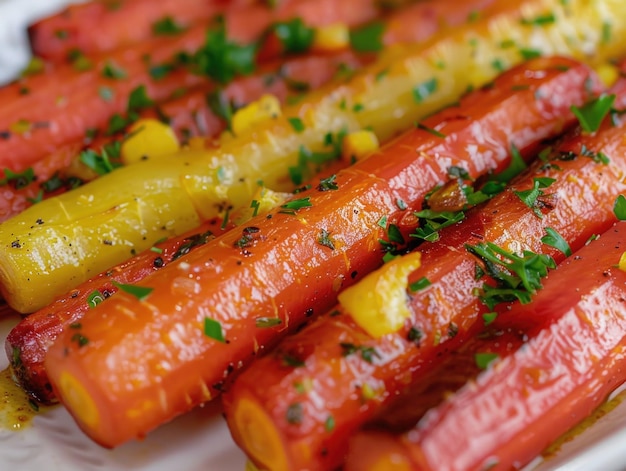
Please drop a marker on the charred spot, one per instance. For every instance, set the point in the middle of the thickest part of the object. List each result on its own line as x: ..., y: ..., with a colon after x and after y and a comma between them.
x: 158, y: 262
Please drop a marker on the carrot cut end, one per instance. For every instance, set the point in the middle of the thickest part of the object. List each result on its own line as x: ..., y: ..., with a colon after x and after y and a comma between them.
x: 259, y: 436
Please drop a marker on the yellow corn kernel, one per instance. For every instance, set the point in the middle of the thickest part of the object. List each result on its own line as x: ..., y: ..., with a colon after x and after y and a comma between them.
x: 331, y: 37
x: 622, y: 262
x: 608, y: 73
x: 266, y: 107
x: 378, y: 302
x: 359, y: 144
x: 148, y: 139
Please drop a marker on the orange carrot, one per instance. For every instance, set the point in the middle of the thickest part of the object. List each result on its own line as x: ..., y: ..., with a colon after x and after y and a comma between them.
x: 554, y: 361
x: 208, y: 315
x: 444, y: 310
x: 28, y: 342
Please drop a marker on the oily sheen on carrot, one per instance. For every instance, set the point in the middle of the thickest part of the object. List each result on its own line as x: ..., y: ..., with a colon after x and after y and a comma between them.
x: 189, y: 116
x: 347, y: 389
x: 28, y: 341
x: 557, y: 359
x: 260, y: 282
x: 50, y: 109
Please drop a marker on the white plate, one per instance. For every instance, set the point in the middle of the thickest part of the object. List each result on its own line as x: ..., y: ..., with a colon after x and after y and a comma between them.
x: 200, y: 440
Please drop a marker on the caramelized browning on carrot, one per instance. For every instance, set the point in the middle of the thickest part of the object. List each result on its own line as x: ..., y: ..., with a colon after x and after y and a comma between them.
x: 213, y: 311
x: 339, y: 374
x: 554, y: 361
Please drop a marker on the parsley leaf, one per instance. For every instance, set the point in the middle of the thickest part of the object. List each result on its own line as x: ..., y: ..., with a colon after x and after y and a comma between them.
x: 424, y: 90
x: 368, y: 38
x: 434, y: 221
x: 166, y: 26
x: 517, y: 277
x: 530, y: 197
x: 295, y: 36
x: 619, y: 208
x: 591, y: 114
x: 554, y: 239
x: 213, y: 329
x: 140, y: 292
x: 484, y: 359
x: 222, y: 59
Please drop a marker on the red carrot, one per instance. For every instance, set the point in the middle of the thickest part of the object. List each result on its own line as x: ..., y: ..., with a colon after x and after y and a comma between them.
x: 57, y: 107
x: 189, y: 116
x: 100, y: 26
x: 554, y: 361
x: 260, y: 282
x: 348, y: 389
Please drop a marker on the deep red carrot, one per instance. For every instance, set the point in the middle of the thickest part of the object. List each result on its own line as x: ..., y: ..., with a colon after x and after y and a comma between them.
x: 100, y: 26
x: 260, y: 282
x: 191, y: 115
x: 554, y: 361
x: 347, y: 389
x: 50, y: 109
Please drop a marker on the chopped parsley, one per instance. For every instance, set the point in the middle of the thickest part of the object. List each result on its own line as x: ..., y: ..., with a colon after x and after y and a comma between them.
x: 328, y: 184
x: 213, y: 330
x: 222, y: 106
x: 296, y: 124
x: 517, y: 277
x: 324, y: 239
x: 167, y: 26
x: 94, y: 298
x: 367, y: 353
x: 619, y: 208
x: 424, y: 90
x: 139, y: 292
x: 368, y: 38
x: 18, y: 180
x: 294, y: 35
x: 433, y: 221
x: 591, y: 114
x: 556, y: 240
x: 419, y: 285
x: 484, y: 359
x: 290, y: 207
x: 531, y: 197
x: 222, y: 59
x: 267, y: 322
x: 113, y: 71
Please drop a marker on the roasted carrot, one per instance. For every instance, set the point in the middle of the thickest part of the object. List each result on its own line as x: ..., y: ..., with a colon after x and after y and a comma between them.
x: 192, y: 115
x: 350, y: 365
x: 554, y: 361
x: 46, y: 110
x: 101, y: 26
x: 28, y: 341
x: 263, y: 281
x: 405, y: 83
x: 97, y: 27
